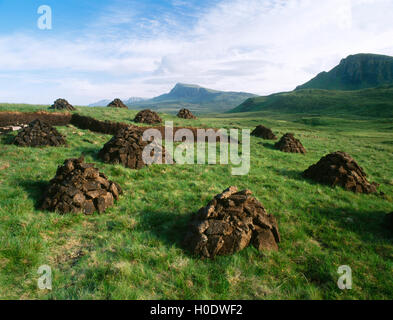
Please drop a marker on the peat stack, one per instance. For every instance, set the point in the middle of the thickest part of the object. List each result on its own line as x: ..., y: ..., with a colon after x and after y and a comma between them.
x: 39, y: 133
x: 288, y: 143
x: 185, y: 114
x: 339, y: 168
x: 147, y: 116
x: 79, y: 187
x: 62, y: 104
x: 229, y: 223
x: 264, y: 133
x: 117, y: 103
x: 126, y: 148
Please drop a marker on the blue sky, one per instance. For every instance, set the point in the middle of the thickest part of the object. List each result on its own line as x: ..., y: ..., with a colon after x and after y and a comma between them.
x: 121, y: 48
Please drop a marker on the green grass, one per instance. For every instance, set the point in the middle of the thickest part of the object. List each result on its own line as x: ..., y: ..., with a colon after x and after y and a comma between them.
x: 375, y: 102
x: 133, y: 251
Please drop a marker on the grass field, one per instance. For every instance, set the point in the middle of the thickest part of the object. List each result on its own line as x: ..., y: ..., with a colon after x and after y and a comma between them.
x: 133, y: 251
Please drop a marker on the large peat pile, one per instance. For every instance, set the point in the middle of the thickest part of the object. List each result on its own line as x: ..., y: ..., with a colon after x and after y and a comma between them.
x: 185, y: 114
x: 126, y: 148
x: 264, y: 133
x: 79, y: 187
x: 339, y: 168
x: 117, y: 103
x: 62, y: 104
x: 39, y: 133
x: 288, y: 143
x: 229, y: 223
x: 147, y: 116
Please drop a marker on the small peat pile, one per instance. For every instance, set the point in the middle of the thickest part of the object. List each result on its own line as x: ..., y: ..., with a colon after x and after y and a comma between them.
x: 62, y: 104
x: 229, y: 223
x: 79, y: 187
x: 126, y: 148
x: 288, y: 143
x: 339, y: 168
x: 264, y: 133
x: 117, y: 103
x: 147, y: 116
x: 39, y: 133
x: 185, y: 114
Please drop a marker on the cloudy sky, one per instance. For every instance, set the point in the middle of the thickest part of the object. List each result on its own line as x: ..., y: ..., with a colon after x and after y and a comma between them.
x: 123, y: 48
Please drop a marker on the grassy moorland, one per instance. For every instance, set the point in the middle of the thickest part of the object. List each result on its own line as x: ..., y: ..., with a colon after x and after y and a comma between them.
x: 374, y: 102
x: 133, y: 251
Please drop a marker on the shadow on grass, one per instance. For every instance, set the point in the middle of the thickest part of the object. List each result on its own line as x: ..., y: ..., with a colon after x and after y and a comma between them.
x: 35, y: 190
x: 292, y: 174
x: 371, y: 226
x: 91, y: 151
x: 267, y: 145
x: 168, y: 227
x: 7, y: 138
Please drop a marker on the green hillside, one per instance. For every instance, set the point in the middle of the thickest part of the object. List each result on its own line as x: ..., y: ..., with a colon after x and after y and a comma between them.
x: 134, y: 250
x: 356, y: 72
x: 375, y: 102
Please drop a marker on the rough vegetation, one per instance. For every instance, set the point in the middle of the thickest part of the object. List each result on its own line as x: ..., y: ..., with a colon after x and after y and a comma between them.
x: 288, y: 143
x: 229, y: 223
x: 340, y: 169
x: 79, y: 187
x: 37, y: 134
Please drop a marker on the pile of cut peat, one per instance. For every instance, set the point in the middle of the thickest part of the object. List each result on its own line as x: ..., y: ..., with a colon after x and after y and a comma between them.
x: 185, y: 114
x: 117, y: 103
x: 79, y: 187
x: 147, y: 116
x: 229, y: 223
x: 339, y: 168
x: 126, y: 148
x: 62, y: 104
x: 39, y: 133
x: 288, y: 143
x: 264, y: 133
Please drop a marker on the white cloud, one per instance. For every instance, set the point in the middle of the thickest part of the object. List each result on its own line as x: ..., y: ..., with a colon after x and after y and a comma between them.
x: 260, y: 46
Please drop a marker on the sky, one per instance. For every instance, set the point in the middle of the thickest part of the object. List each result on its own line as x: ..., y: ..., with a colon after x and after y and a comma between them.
x: 124, y: 48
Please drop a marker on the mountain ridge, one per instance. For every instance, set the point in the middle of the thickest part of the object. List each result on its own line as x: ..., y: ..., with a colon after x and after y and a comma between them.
x: 196, y: 98
x: 355, y: 72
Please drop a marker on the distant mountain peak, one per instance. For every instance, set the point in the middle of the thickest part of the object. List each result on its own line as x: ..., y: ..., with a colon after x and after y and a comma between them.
x: 355, y: 72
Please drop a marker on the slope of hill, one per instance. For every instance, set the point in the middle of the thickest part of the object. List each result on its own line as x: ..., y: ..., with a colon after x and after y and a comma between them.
x: 375, y: 102
x: 105, y: 102
x: 195, y: 98
x: 356, y: 72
